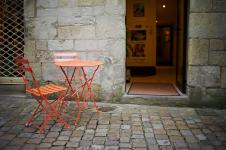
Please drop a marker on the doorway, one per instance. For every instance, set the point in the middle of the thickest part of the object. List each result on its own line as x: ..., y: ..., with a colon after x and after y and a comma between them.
x: 155, y: 46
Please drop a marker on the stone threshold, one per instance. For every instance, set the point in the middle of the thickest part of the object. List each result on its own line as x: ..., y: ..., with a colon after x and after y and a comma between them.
x: 181, y: 100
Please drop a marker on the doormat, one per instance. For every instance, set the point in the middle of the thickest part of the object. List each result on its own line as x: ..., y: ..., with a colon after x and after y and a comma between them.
x: 155, y: 89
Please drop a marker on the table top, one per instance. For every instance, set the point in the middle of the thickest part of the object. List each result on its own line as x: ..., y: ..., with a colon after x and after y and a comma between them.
x: 79, y: 63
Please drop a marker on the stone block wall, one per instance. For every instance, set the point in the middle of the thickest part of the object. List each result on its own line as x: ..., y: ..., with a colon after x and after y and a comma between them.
x: 93, y: 28
x: 96, y: 29
x: 206, y: 71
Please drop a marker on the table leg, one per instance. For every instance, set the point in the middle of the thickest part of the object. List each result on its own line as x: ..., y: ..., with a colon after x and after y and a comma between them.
x: 69, y: 81
x: 88, y: 84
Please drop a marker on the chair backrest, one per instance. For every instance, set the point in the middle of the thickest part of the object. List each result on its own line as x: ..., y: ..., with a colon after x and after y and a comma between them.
x: 68, y: 56
x: 26, y: 72
x: 65, y: 56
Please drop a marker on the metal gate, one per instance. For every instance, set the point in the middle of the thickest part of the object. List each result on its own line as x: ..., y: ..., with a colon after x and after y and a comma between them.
x: 11, y: 39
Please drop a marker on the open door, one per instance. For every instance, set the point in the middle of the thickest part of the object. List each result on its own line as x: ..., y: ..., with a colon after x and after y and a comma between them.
x: 141, y: 32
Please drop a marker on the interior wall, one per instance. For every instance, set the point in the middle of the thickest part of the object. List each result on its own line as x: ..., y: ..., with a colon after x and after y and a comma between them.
x: 168, y: 16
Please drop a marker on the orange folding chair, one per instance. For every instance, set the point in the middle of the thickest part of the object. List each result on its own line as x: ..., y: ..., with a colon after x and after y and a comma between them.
x: 71, y: 74
x: 68, y: 56
x: 41, y: 94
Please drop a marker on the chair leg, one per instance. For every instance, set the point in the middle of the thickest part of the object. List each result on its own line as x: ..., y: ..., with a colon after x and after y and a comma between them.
x: 51, y: 113
x: 83, y: 88
x: 77, y: 98
x: 60, y: 102
x: 45, y: 122
x: 94, y: 101
x: 79, y: 113
x: 80, y: 109
x: 31, y: 119
x: 55, y: 113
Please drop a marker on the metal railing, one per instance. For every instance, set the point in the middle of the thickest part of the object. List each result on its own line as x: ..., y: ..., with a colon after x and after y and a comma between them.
x: 11, y: 36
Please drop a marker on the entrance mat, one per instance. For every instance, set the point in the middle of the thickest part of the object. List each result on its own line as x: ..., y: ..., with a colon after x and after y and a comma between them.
x: 155, y: 89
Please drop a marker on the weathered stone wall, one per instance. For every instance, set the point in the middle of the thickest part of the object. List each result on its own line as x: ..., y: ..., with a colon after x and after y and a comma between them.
x: 94, y: 28
x: 206, y: 74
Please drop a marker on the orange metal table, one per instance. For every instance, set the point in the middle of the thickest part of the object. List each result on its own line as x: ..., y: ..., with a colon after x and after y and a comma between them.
x: 87, y: 83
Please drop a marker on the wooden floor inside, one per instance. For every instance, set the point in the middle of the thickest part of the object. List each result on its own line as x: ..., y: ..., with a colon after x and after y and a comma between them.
x: 162, y: 75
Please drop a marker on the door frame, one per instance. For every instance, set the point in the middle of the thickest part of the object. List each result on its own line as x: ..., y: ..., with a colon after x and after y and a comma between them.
x: 181, y: 86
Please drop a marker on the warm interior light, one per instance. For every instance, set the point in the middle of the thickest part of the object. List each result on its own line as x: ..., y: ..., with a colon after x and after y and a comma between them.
x: 164, y: 6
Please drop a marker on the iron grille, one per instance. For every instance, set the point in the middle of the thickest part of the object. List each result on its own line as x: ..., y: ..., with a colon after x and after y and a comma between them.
x: 11, y: 36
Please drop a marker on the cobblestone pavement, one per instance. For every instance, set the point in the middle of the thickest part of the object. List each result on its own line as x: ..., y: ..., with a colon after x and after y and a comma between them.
x: 125, y: 127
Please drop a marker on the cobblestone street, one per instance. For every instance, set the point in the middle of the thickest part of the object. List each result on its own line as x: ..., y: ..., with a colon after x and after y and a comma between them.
x: 126, y: 127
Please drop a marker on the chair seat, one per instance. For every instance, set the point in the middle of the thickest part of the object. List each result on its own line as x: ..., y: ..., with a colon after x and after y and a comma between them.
x: 46, y: 89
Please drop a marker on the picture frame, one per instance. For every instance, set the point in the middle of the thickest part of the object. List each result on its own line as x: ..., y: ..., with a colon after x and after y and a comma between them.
x: 138, y: 9
x: 138, y: 35
x: 136, y: 44
x: 137, y: 51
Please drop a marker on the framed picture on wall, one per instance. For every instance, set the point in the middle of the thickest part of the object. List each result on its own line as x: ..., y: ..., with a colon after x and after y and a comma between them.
x: 137, y: 51
x: 138, y: 9
x: 138, y: 35
x: 136, y: 44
